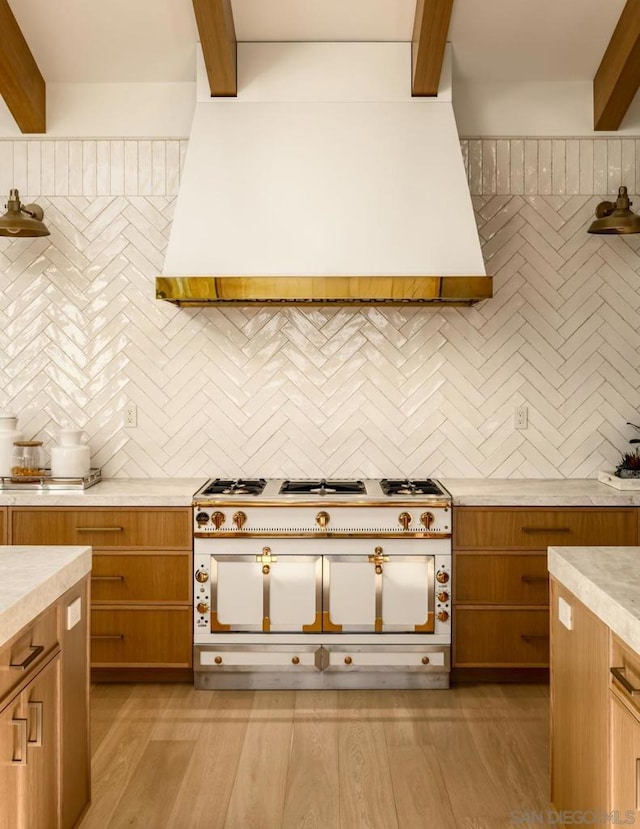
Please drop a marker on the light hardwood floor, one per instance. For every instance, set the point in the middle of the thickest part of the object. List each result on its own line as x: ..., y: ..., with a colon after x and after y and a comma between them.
x: 473, y: 757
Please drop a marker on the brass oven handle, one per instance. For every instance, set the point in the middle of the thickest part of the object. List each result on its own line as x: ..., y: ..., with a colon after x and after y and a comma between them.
x: 532, y: 530
x: 35, y: 653
x: 618, y: 673
x: 534, y: 579
x: 22, y: 726
x: 99, y: 529
x: 107, y: 578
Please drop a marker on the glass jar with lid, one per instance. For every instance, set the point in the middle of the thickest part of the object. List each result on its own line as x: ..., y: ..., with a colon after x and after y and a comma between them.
x: 27, y: 459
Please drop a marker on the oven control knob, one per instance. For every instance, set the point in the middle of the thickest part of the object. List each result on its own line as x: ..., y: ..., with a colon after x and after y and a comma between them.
x: 443, y: 615
x: 202, y: 607
x: 218, y: 519
x: 202, y: 576
x: 443, y: 596
x: 405, y: 519
x: 323, y: 518
x: 427, y: 519
x: 442, y: 577
x: 202, y: 518
x: 239, y: 519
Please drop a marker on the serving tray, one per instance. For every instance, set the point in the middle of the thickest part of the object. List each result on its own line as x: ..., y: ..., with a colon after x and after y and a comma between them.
x: 628, y: 484
x: 48, y: 482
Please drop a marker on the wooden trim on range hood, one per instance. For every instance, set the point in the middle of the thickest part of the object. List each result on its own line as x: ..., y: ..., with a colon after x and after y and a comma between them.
x: 189, y: 291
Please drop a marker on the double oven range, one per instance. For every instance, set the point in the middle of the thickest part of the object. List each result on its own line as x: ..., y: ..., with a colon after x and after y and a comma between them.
x: 322, y: 584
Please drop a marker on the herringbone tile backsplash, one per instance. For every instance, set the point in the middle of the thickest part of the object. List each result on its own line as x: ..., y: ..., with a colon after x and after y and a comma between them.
x: 334, y: 392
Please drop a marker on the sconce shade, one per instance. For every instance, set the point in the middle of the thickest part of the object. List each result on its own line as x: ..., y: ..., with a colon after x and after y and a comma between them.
x: 22, y: 220
x: 616, y: 217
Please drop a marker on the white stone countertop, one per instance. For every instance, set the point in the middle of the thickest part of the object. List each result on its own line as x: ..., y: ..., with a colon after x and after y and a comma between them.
x: 112, y: 492
x: 539, y: 492
x: 607, y: 581
x: 31, y: 578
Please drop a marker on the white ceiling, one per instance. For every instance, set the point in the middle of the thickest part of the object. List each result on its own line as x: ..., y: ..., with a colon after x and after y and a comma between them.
x: 84, y: 41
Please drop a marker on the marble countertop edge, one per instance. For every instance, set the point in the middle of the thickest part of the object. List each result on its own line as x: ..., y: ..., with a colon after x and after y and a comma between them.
x: 615, y: 597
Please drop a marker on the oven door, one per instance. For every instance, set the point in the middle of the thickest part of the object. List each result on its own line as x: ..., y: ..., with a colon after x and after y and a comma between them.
x: 379, y: 592
x: 265, y: 591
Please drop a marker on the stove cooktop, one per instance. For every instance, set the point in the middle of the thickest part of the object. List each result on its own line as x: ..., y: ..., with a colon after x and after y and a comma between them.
x: 296, y: 490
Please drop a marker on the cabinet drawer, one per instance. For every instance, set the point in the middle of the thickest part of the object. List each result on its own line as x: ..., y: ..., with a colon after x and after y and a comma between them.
x: 501, y: 638
x: 140, y: 577
x: 537, y: 529
x: 501, y: 578
x: 141, y: 528
x: 29, y: 650
x: 141, y: 638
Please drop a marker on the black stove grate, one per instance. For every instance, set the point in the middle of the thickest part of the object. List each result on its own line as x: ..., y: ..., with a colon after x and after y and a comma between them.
x: 410, y: 486
x: 322, y: 487
x: 241, y: 486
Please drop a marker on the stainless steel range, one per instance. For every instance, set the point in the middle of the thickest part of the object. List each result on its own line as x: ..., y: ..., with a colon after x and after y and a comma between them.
x: 322, y: 584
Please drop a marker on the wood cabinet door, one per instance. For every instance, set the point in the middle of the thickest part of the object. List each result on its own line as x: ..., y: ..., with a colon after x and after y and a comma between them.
x: 41, y: 707
x: 579, y: 706
x: 625, y: 761
x: 13, y: 769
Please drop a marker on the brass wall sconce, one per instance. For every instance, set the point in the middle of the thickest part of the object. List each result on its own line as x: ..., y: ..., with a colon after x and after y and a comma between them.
x: 616, y: 217
x: 22, y: 219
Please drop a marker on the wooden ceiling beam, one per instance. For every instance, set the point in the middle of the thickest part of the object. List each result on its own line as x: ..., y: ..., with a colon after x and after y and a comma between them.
x: 430, y: 30
x: 21, y: 84
x: 618, y: 77
x: 219, y: 45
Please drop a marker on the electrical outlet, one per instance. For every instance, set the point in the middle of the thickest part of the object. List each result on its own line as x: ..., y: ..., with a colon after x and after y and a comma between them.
x: 521, y: 417
x: 131, y: 416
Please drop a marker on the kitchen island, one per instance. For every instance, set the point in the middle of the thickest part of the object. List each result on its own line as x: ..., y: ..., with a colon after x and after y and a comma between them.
x: 595, y: 671
x: 44, y: 686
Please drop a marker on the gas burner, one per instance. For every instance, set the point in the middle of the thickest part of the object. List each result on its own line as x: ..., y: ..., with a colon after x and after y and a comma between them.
x: 322, y: 487
x: 410, y: 487
x: 219, y: 486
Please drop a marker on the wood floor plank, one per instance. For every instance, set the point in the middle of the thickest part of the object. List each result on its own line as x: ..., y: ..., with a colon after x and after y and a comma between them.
x: 150, y: 794
x: 313, y: 782
x: 257, y: 799
x: 106, y: 708
x: 420, y: 794
x: 214, y: 762
x: 366, y: 794
x: 115, y: 761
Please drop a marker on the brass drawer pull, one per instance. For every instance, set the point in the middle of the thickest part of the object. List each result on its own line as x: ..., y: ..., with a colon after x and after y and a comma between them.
x: 531, y: 530
x: 107, y: 578
x: 534, y: 637
x: 534, y: 579
x: 107, y: 636
x: 37, y: 707
x: 99, y: 529
x: 619, y: 674
x: 35, y: 653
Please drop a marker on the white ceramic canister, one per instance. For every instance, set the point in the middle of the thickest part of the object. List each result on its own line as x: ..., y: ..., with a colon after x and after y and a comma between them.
x: 9, y: 433
x: 72, y: 457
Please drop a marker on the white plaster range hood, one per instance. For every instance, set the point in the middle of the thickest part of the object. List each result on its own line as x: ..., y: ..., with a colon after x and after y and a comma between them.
x: 324, y: 182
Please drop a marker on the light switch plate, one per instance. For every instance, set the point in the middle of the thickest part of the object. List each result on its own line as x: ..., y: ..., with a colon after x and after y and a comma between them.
x: 74, y: 613
x: 565, y: 613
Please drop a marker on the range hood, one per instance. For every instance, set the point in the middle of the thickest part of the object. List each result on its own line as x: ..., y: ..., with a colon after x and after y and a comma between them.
x: 322, y: 183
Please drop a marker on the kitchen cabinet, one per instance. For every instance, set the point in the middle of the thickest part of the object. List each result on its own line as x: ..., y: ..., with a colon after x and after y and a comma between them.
x: 141, y: 611
x: 3, y: 525
x: 29, y: 769
x: 625, y: 730
x: 579, y: 705
x: 500, y: 625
